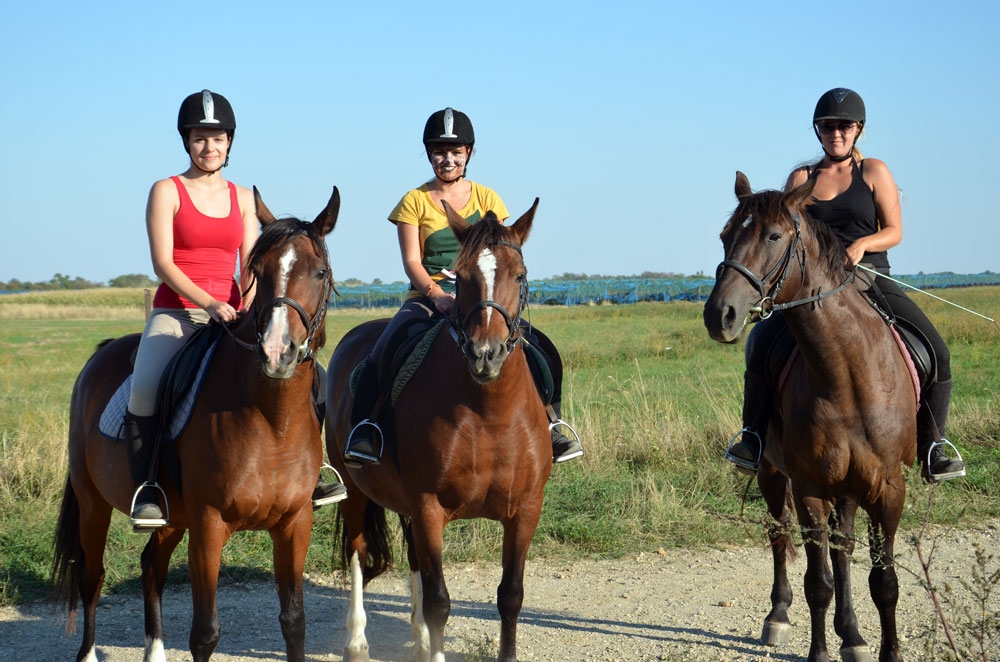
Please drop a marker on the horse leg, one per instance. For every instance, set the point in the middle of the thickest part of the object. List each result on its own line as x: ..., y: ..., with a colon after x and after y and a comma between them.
x: 853, y: 647
x: 427, y: 530
x: 352, y: 510
x: 814, y: 515
x: 290, y: 542
x: 517, y: 535
x: 421, y: 635
x: 94, y: 521
x: 882, y: 581
x: 155, y: 564
x: 207, y: 537
x: 775, y: 489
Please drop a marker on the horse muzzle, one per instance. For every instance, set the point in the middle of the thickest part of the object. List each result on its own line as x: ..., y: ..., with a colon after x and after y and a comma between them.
x: 485, y: 360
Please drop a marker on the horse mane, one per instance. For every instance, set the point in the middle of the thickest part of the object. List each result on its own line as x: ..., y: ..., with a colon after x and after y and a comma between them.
x: 280, y: 232
x: 770, y: 204
x: 489, y: 232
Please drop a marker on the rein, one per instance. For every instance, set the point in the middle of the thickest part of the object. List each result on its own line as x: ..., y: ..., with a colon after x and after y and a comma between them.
x: 765, y: 306
x: 513, y: 321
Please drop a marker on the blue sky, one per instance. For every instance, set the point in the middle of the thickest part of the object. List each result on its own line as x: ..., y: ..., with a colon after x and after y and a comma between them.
x: 628, y: 119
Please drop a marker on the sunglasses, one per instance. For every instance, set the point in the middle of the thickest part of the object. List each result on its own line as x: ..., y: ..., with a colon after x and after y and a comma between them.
x: 829, y: 127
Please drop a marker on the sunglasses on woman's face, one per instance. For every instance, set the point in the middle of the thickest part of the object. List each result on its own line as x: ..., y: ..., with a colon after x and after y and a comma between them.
x: 828, y: 127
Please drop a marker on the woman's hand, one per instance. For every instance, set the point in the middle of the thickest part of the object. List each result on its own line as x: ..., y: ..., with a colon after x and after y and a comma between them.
x: 221, y: 311
x: 443, y: 302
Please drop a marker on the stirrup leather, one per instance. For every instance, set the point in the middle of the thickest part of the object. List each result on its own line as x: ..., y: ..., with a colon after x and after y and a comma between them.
x: 140, y: 525
x: 745, y: 465
x: 353, y: 458
x: 948, y: 474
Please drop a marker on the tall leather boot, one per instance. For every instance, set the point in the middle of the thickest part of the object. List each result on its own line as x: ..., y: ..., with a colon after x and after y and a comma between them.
x: 366, y: 435
x: 564, y: 446
x: 931, y: 420
x: 758, y: 404
x: 140, y: 440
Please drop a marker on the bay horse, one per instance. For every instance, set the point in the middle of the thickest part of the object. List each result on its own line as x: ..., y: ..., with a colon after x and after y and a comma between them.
x: 249, y: 456
x: 472, y: 441
x: 847, y: 415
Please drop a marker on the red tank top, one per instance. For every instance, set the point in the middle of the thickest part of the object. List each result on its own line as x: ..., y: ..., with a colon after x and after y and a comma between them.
x: 205, y: 249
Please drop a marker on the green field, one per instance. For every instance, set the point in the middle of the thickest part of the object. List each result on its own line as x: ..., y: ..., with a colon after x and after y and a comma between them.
x: 653, y: 398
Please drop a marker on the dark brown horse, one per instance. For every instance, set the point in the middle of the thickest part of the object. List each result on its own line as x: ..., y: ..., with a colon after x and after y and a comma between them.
x: 847, y: 416
x: 249, y: 455
x: 472, y: 441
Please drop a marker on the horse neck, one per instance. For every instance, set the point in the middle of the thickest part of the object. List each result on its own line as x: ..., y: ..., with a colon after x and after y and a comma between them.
x: 497, y: 396
x: 273, y: 397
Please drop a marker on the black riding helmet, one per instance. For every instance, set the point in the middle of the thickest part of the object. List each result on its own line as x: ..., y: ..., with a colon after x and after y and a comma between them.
x: 206, y: 109
x: 843, y: 104
x: 449, y: 127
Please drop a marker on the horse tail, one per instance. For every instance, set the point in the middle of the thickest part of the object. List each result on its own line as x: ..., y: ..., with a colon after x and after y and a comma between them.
x: 378, y: 549
x: 67, y: 566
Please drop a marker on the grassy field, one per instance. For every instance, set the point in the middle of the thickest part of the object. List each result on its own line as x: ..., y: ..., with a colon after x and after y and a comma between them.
x: 653, y: 398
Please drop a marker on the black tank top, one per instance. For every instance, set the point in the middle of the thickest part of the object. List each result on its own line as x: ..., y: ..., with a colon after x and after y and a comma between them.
x: 852, y: 215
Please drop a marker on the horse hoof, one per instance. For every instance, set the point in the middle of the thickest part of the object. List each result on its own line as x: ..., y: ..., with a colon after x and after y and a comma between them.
x: 776, y: 634
x: 856, y: 654
x: 356, y: 656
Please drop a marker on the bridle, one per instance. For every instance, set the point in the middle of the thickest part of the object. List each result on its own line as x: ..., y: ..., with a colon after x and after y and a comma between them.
x: 305, y: 350
x: 765, y: 306
x: 513, y: 321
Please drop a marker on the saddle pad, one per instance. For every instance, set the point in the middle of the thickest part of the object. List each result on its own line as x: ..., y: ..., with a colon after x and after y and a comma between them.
x: 413, y: 361
x: 112, y: 421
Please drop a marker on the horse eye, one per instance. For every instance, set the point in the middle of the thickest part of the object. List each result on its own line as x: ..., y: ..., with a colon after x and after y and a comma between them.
x: 321, y: 274
x: 774, y: 237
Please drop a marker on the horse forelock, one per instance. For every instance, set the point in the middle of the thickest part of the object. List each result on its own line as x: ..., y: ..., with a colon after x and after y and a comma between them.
x: 487, y: 234
x: 279, y: 233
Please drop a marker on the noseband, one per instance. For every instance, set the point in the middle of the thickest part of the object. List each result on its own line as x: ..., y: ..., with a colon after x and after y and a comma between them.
x: 765, y: 306
x: 513, y: 321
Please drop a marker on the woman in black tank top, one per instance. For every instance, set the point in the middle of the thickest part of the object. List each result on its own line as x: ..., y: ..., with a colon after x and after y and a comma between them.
x: 858, y: 199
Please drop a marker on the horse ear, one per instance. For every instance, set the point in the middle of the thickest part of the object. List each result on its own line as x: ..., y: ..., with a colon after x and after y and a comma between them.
x: 458, y: 225
x: 801, y: 194
x: 327, y: 218
x: 742, y: 186
x: 264, y: 214
x: 522, y: 226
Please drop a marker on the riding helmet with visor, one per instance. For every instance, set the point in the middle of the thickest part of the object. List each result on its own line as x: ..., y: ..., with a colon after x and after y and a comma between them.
x: 840, y: 104
x: 206, y: 110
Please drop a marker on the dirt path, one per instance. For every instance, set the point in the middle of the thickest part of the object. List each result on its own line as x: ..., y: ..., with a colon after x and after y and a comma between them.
x: 677, y: 605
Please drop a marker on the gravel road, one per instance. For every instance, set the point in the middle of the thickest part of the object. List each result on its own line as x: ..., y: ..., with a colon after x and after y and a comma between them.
x: 706, y: 604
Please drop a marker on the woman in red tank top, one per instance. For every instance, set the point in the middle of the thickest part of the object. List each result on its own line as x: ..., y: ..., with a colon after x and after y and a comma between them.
x: 198, y: 225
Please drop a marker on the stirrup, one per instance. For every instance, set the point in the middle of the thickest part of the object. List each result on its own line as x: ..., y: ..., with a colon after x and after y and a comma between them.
x: 937, y: 478
x: 353, y: 458
x: 338, y: 495
x: 574, y: 445
x: 744, y: 465
x: 143, y: 525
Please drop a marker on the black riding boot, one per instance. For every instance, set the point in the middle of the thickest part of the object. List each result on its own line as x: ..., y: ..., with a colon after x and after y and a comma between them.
x: 140, y: 440
x: 931, y: 420
x: 757, y: 406
x: 364, y: 444
x: 325, y: 493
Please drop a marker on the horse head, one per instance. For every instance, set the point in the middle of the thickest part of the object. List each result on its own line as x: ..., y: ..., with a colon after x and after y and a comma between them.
x: 491, y: 289
x: 765, y: 242
x: 291, y: 269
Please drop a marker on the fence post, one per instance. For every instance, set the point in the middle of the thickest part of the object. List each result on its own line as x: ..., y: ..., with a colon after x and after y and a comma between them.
x: 148, y: 306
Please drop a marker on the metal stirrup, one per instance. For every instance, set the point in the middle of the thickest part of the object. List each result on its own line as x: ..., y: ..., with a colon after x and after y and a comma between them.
x: 947, y: 474
x: 739, y: 461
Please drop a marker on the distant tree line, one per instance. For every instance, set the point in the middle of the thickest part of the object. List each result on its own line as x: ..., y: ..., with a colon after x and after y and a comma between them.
x: 64, y: 282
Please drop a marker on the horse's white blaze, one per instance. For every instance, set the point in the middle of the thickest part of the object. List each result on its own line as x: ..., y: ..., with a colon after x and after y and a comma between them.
x: 154, y: 651
x: 488, y: 266
x: 277, y: 331
x: 356, y: 618
x: 421, y: 634
x: 748, y: 222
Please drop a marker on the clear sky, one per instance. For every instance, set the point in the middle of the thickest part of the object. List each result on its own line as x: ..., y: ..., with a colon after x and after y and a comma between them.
x: 628, y: 119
